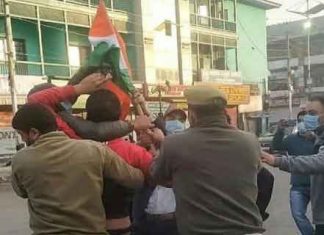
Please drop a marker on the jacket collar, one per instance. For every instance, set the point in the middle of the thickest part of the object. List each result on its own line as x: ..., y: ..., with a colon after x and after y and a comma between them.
x: 212, y: 121
x: 54, y: 134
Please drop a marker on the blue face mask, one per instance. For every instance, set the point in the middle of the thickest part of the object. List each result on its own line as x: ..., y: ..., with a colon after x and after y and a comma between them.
x: 311, y: 122
x: 174, y: 126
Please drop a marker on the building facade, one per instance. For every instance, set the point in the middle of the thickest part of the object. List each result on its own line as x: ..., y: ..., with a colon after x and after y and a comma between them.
x: 288, y: 51
x: 181, y: 41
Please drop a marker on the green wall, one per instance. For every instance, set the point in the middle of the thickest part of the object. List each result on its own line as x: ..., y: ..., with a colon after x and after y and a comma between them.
x: 54, y: 43
x: 28, y: 32
x: 252, y: 53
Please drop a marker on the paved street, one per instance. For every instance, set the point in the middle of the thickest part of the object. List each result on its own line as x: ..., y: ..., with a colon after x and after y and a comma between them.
x: 14, y: 217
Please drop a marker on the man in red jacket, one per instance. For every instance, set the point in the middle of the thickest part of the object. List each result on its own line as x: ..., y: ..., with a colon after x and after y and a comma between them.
x: 53, y: 97
x: 103, y: 106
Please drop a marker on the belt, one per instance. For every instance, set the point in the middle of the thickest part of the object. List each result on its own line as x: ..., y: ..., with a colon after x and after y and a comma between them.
x: 169, y: 216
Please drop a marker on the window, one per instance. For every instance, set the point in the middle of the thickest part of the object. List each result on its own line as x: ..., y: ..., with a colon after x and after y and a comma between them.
x: 19, y: 52
x: 216, y: 9
x: 192, y: 5
x: 78, y: 54
x: 203, y: 7
x: 3, y: 50
x: 213, y: 52
x: 205, y: 56
x: 218, y: 57
x: 229, y: 10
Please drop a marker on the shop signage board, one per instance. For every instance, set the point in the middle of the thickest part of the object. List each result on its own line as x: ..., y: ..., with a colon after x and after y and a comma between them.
x: 236, y: 94
x: 8, y: 137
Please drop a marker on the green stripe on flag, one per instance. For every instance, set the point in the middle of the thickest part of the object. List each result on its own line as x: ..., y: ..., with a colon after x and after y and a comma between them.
x: 104, y: 54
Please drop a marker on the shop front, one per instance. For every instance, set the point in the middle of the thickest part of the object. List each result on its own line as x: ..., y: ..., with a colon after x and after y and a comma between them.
x: 159, y: 97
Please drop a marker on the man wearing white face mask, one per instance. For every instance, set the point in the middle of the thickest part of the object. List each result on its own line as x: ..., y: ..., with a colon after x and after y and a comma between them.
x: 161, y: 206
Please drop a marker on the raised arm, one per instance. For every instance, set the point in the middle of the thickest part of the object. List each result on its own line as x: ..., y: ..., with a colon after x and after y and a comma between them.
x: 312, y: 164
x: 55, y: 95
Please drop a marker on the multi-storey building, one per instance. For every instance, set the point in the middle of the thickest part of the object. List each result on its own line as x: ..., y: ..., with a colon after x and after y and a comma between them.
x: 294, y: 53
x: 181, y: 41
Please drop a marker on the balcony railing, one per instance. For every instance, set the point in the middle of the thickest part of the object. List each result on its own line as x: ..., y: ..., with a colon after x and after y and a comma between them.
x: 212, y: 23
x: 29, y: 68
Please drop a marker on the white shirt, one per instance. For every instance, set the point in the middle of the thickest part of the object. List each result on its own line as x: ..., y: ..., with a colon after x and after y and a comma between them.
x: 162, y: 201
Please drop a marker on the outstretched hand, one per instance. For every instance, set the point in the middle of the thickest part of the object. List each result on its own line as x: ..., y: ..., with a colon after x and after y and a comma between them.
x: 268, y: 158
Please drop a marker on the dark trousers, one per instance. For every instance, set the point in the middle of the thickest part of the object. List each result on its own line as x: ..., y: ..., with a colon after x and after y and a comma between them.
x: 161, y: 227
x: 319, y: 229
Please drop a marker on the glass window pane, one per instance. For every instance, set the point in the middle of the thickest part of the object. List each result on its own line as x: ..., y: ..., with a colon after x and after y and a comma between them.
x: 81, y: 2
x: 216, y: 9
x: 205, y: 56
x: 124, y: 5
x: 229, y: 10
x: 218, y: 41
x: 51, y: 14
x: 77, y: 18
x: 231, y: 42
x: 192, y: 5
x: 194, y: 56
x: 78, y: 36
x: 231, y: 61
x: 203, y: 7
x: 203, y: 38
x: 219, y: 57
x: 96, y: 2
x: 194, y: 37
x: 22, y: 9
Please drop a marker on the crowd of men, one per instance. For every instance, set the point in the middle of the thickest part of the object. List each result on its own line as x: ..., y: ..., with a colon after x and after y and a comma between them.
x: 81, y: 176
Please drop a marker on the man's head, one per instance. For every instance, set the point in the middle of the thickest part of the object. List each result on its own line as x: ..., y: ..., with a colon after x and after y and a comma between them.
x: 314, y: 109
x: 103, y: 106
x: 315, y: 106
x: 205, y: 101
x: 175, y: 120
x: 33, y: 120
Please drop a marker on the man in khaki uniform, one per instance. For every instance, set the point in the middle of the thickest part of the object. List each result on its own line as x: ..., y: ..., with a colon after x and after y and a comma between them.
x: 63, y: 178
x: 213, y: 169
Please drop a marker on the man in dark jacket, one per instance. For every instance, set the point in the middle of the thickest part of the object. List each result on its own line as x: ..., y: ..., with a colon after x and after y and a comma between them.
x: 213, y: 168
x: 299, y: 144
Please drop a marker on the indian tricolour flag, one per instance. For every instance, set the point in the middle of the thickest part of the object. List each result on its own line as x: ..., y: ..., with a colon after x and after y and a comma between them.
x: 110, y: 48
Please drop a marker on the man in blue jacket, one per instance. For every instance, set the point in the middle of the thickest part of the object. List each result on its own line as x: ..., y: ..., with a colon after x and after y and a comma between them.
x: 298, y: 144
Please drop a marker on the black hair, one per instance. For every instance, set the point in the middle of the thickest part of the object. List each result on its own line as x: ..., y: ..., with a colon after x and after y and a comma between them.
x: 218, y: 108
x: 103, y: 106
x: 40, y: 87
x: 34, y: 116
x: 319, y: 98
x: 301, y: 113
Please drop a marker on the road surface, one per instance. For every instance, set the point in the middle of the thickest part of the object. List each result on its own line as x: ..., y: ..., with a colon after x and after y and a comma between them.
x: 14, y: 215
